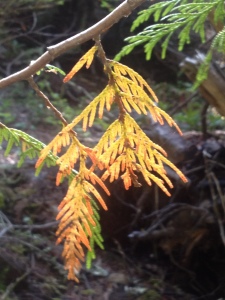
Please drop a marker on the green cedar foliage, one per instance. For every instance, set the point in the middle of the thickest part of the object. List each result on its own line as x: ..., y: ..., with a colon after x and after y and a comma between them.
x: 182, y: 15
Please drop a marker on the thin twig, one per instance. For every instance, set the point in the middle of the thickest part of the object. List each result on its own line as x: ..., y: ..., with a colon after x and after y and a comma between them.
x: 37, y: 226
x: 12, y: 285
x: 178, y: 107
x: 47, y: 101
x: 5, y: 230
x: 30, y: 227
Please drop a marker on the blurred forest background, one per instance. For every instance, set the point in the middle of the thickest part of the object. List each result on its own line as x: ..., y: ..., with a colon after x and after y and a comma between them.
x: 156, y: 247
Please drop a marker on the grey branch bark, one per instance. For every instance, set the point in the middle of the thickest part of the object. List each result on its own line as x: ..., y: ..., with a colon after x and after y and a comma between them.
x: 123, y: 10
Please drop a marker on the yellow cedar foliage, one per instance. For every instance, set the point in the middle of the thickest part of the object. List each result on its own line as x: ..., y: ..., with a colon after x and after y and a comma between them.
x: 133, y: 151
x: 132, y: 93
x: 137, y: 79
x: 87, y: 59
x: 103, y: 100
x: 61, y: 140
x: 123, y: 151
x: 69, y: 159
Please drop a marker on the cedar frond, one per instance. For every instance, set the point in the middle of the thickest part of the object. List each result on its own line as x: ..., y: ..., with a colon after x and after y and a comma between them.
x: 123, y: 70
x: 150, y: 155
x: 94, y: 178
x: 137, y: 154
x: 95, y: 238
x: 173, y: 167
x: 67, y: 161
x: 87, y: 59
x: 114, y: 170
x: 104, y: 99
x: 124, y: 162
x: 92, y: 154
x: 132, y: 94
x: 61, y: 140
x: 89, y: 188
x: 124, y: 150
x: 109, y: 137
x: 31, y: 147
x: 109, y: 156
x: 137, y: 136
x: 169, y: 120
x: 8, y: 135
x: 78, y: 219
x: 126, y: 179
x: 148, y: 176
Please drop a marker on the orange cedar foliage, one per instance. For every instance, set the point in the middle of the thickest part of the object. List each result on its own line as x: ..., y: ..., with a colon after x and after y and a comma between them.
x: 73, y: 253
x: 94, y: 178
x: 92, y: 154
x: 67, y: 161
x: 87, y: 59
x: 89, y: 188
x: 75, y: 211
x: 123, y: 150
x: 126, y: 179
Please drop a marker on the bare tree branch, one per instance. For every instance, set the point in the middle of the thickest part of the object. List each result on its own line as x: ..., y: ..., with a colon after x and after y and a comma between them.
x: 123, y: 10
